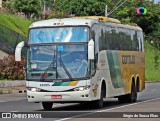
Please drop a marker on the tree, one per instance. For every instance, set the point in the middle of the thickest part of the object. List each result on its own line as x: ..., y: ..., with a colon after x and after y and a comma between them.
x: 80, y: 7
x: 8, y: 5
x: 29, y: 7
x: 127, y: 14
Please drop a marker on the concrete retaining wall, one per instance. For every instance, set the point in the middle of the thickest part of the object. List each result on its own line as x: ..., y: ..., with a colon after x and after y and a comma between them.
x: 12, y: 83
x: 11, y: 87
x: 3, y: 54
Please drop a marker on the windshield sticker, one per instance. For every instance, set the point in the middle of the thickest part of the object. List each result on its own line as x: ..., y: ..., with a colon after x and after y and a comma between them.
x: 60, y: 48
x: 33, y: 66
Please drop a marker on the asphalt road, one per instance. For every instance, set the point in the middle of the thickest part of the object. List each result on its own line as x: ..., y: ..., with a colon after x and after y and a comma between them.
x: 148, y: 101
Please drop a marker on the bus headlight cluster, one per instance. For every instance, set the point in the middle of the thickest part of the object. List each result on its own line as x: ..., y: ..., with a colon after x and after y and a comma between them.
x: 82, y: 88
x: 33, y: 89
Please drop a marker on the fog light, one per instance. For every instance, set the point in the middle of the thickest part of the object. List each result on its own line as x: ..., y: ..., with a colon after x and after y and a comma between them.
x: 87, y: 95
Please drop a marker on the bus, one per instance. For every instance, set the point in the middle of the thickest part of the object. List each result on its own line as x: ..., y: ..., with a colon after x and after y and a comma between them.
x: 83, y: 59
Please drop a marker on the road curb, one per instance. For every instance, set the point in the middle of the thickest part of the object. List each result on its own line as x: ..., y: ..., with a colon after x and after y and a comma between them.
x: 12, y: 87
x: 12, y: 83
x: 13, y: 90
x: 152, y: 81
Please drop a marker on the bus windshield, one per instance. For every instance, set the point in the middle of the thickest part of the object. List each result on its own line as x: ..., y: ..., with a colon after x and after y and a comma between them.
x: 58, y: 35
x: 63, y: 61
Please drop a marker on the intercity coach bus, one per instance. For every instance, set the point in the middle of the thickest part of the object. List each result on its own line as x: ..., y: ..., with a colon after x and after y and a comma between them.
x: 83, y: 59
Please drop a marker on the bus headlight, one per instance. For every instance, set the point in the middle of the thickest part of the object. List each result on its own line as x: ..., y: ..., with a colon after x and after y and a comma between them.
x: 82, y: 88
x: 33, y: 89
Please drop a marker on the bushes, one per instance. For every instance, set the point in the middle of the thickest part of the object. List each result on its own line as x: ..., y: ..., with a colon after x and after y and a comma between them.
x: 10, y: 69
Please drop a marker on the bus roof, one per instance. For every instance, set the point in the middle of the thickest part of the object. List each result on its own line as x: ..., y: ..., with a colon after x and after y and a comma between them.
x: 101, y: 18
x: 64, y: 22
x: 82, y: 21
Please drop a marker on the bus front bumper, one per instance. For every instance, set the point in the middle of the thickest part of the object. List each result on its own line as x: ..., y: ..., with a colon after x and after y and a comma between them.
x: 72, y: 96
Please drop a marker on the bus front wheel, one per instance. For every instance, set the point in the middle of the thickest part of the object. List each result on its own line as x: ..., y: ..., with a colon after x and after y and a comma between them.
x: 99, y: 103
x: 47, y: 105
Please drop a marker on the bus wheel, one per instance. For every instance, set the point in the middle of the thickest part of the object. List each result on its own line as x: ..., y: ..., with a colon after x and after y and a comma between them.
x: 133, y: 96
x: 99, y: 103
x: 129, y: 97
x: 47, y: 105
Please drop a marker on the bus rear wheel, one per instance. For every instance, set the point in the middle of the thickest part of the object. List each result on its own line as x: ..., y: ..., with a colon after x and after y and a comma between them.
x: 47, y: 105
x: 132, y: 97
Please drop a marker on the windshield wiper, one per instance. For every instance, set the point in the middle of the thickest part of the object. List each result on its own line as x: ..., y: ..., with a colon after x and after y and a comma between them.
x: 44, y: 75
x: 65, y: 69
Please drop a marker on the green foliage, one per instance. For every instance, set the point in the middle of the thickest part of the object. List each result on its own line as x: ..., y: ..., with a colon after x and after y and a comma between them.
x: 127, y: 14
x: 80, y: 7
x: 29, y: 7
x: 151, y: 70
x: 10, y: 69
x: 8, y: 5
x: 58, y: 15
x: 16, y: 23
x: 9, y: 39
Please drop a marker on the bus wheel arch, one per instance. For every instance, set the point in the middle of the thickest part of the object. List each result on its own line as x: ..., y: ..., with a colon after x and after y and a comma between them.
x: 103, y: 86
x: 99, y: 103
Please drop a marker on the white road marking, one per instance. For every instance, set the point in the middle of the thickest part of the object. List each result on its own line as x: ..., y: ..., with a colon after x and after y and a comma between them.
x: 129, y: 105
x: 11, y: 100
x: 14, y: 111
x: 153, y: 90
x: 56, y: 105
x: 63, y: 119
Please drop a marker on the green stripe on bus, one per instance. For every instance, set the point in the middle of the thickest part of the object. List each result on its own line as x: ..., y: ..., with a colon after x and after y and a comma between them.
x: 65, y: 83
x: 115, y: 69
x: 57, y: 83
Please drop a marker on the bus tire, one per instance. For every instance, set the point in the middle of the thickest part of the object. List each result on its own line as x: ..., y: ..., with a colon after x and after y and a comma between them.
x: 47, y: 105
x: 99, y: 103
x: 133, y: 96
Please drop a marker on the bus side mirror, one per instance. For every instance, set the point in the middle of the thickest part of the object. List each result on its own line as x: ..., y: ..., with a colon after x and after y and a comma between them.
x: 18, y: 51
x: 91, y: 50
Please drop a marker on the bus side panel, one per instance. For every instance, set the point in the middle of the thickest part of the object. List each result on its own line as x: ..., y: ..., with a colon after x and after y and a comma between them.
x: 123, y: 66
x: 109, y: 70
x: 132, y: 65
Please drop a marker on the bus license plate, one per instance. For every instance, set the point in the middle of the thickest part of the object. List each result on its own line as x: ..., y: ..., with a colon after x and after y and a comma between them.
x: 56, y: 96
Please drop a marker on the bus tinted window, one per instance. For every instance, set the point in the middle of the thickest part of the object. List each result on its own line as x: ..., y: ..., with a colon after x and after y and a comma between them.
x: 116, y: 38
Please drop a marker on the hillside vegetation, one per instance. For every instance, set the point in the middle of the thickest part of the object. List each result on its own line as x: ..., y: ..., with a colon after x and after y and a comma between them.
x: 152, y: 67
x: 16, y: 23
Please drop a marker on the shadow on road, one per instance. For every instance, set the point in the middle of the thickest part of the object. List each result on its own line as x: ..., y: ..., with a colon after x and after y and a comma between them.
x: 84, y: 107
